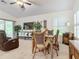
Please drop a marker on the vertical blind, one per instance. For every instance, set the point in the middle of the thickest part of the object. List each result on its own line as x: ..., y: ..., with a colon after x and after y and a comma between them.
x: 59, y: 22
x: 76, y: 24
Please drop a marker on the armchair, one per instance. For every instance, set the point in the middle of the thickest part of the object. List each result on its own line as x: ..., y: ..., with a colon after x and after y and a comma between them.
x: 6, y: 44
x: 66, y: 37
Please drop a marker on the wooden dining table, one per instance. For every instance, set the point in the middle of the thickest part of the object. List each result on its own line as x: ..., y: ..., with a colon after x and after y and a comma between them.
x: 74, y: 49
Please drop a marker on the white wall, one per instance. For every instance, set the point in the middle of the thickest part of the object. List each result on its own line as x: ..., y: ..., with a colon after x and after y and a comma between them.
x: 76, y: 6
x: 5, y: 15
x: 66, y: 15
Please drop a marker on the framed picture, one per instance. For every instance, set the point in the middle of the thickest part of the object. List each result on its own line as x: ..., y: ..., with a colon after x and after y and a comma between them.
x: 28, y: 26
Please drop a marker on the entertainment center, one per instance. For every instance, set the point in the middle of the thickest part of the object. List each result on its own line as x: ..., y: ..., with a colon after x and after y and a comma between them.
x: 26, y: 32
x: 27, y: 29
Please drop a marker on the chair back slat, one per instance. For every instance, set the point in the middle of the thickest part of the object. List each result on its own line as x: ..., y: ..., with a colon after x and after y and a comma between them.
x: 39, y: 38
x: 56, y: 36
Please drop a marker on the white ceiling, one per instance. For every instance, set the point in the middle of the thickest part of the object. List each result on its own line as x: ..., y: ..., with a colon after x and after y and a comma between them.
x: 38, y: 7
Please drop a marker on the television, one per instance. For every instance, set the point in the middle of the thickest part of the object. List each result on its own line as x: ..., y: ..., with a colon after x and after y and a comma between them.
x: 28, y: 25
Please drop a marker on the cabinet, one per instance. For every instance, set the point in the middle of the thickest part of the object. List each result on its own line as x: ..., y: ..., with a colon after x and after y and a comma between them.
x: 25, y: 34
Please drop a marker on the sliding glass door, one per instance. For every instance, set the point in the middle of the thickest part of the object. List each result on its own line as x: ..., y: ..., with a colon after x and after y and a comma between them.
x: 9, y: 28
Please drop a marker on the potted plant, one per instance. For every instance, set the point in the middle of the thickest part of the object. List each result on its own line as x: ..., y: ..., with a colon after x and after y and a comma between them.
x: 37, y: 26
x: 17, y: 28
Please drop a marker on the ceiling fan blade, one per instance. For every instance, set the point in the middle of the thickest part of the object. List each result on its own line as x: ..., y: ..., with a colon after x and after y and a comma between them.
x: 13, y: 3
x: 3, y: 1
x: 27, y: 3
x: 33, y: 2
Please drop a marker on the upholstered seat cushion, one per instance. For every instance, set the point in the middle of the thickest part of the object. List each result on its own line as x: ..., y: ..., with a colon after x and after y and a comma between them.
x: 40, y: 46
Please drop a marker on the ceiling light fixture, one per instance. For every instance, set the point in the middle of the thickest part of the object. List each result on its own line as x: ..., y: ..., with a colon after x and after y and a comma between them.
x: 19, y: 3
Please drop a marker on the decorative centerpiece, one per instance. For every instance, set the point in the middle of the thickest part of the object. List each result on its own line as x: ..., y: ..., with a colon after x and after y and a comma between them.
x: 37, y: 26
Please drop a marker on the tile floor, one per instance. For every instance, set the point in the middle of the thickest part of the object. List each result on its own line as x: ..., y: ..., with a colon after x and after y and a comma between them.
x: 25, y: 52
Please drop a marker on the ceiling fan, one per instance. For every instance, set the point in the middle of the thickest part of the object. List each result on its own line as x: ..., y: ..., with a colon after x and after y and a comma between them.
x: 21, y: 3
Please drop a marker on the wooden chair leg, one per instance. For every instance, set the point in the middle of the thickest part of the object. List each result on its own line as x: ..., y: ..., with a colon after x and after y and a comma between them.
x: 58, y: 47
x: 34, y: 55
x: 56, y: 51
x: 44, y: 51
x: 34, y: 51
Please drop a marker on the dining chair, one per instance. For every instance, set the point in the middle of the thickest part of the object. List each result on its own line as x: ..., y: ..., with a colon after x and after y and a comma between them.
x: 38, y: 42
x: 56, y: 43
x: 48, y: 32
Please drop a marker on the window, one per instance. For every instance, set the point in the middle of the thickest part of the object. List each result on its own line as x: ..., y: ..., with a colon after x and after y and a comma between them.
x: 62, y: 29
x: 1, y: 24
x: 55, y: 29
x: 54, y: 25
x: 77, y: 33
x: 76, y: 24
x: 75, y: 28
x: 7, y: 26
x: 59, y: 22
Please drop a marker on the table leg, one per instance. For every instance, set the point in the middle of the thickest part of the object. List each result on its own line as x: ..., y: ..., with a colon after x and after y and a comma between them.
x: 70, y: 56
x: 70, y: 53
